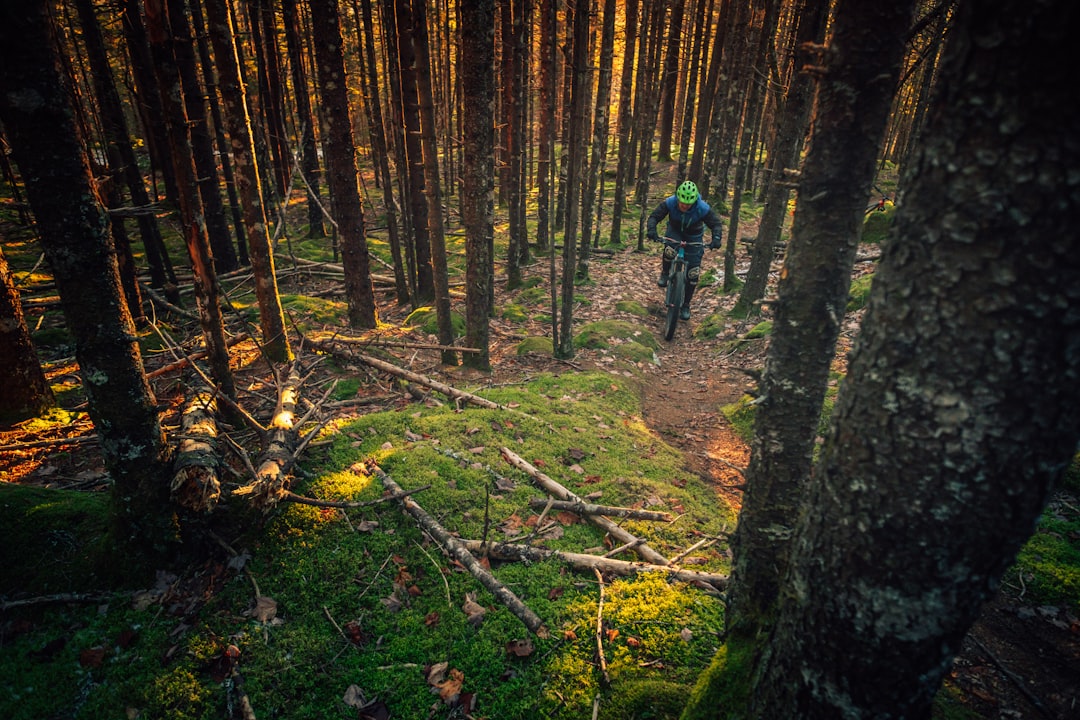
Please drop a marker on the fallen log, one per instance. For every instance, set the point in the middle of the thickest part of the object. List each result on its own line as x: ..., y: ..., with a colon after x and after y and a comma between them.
x: 644, y: 551
x: 457, y: 550
x: 451, y: 392
x: 195, y: 483
x: 585, y: 509
x: 279, y: 443
x: 709, y: 582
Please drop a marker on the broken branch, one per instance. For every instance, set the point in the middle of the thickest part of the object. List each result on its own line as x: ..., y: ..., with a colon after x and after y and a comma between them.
x: 551, y: 486
x: 590, y: 509
x: 458, y: 551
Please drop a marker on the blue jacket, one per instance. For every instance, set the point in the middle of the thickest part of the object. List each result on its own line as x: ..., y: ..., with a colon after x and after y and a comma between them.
x: 689, y: 225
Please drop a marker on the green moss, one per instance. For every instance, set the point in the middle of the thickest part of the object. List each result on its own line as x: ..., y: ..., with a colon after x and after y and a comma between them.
x: 427, y: 320
x: 876, y: 225
x: 710, y: 327
x: 533, y: 295
x: 512, y: 312
x: 598, y: 335
x: 859, y: 292
x: 723, y: 690
x: 741, y: 416
x: 312, y: 312
x: 758, y: 332
x: 632, y: 307
x: 1049, y: 562
x: 635, y: 352
x: 535, y: 344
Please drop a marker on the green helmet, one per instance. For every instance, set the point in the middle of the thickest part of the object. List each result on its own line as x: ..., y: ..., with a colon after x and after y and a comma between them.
x: 687, y: 193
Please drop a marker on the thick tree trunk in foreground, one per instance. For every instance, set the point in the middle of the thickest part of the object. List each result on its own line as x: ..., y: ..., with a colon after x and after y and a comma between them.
x: 74, y: 233
x: 26, y: 391
x: 341, y: 164
x: 959, y: 411
x: 853, y: 105
x: 478, y: 175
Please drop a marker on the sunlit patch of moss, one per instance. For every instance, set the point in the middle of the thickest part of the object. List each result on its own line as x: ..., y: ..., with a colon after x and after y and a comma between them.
x: 741, y: 416
x: 51, y: 420
x: 346, y: 388
x: 313, y: 312
x: 178, y: 694
x: 859, y: 292
x: 599, y: 334
x: 427, y: 320
x: 876, y: 225
x: 512, y: 312
x: 535, y: 344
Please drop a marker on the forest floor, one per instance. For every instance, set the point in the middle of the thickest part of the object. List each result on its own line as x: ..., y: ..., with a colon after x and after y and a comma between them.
x: 1019, y: 660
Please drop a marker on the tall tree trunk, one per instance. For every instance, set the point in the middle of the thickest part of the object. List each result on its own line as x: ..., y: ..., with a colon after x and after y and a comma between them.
x: 310, y: 158
x: 429, y: 144
x: 210, y: 82
x: 625, y: 121
x: 207, y: 287
x: 645, y: 109
x: 545, y: 157
x: 202, y: 147
x: 958, y: 413
x: 115, y: 135
x: 564, y: 342
x: 478, y: 176
x: 670, y: 80
x: 853, y: 106
x: 249, y: 183
x: 600, y: 134
x: 341, y: 163
x: 518, y: 81
x: 707, y: 97
x: 148, y: 104
x: 74, y: 235
x: 26, y: 391
x: 410, y: 111
x: 698, y: 54
x: 785, y: 154
x: 377, y: 131
x: 146, y: 92
x: 271, y: 94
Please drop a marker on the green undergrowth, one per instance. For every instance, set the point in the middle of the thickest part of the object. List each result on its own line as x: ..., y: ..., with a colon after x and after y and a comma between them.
x: 362, y: 598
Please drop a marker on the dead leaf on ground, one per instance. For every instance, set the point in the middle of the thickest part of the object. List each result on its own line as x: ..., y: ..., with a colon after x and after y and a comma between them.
x: 520, y: 648
x: 686, y: 634
x: 265, y: 609
x: 473, y: 610
x: 366, y: 526
x: 92, y: 657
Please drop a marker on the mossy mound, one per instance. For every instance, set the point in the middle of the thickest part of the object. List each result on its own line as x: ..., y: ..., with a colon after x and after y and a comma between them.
x: 599, y: 335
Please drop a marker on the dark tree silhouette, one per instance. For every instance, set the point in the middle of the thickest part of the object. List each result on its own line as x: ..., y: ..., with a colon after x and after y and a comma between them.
x: 26, y: 391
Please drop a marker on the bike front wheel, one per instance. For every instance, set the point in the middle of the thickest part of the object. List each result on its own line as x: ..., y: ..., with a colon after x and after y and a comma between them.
x: 675, y: 291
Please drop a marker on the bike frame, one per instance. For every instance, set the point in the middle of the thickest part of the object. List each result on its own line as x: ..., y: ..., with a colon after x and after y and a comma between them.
x: 676, y: 287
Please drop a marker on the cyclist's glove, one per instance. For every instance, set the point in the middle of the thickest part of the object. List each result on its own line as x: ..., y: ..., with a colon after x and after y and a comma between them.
x: 654, y: 238
x: 715, y: 244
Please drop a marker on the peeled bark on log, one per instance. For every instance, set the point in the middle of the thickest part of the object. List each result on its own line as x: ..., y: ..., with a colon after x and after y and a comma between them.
x: 195, y: 483
x: 456, y: 549
x: 586, y: 509
x: 711, y: 583
x: 644, y: 551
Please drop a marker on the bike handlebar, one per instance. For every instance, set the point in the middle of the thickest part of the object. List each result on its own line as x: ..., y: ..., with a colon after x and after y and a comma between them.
x: 667, y: 239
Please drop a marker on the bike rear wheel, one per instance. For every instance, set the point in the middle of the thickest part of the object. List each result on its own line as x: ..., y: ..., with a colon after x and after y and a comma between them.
x: 675, y: 291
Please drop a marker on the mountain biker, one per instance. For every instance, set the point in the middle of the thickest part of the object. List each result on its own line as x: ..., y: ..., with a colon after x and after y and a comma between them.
x: 687, y: 216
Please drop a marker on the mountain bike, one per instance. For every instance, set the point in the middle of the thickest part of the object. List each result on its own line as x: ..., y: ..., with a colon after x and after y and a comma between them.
x: 676, y: 286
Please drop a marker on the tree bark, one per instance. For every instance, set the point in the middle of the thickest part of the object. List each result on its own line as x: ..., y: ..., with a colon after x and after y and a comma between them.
x: 275, y: 340
x: 207, y: 287
x: 600, y: 134
x: 341, y: 164
x: 959, y: 411
x: 478, y: 175
x: 37, y: 116
x: 202, y: 147
x: 308, y: 154
x: 26, y: 391
x: 545, y: 131
x: 433, y: 196
x: 625, y: 122
x: 784, y: 155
